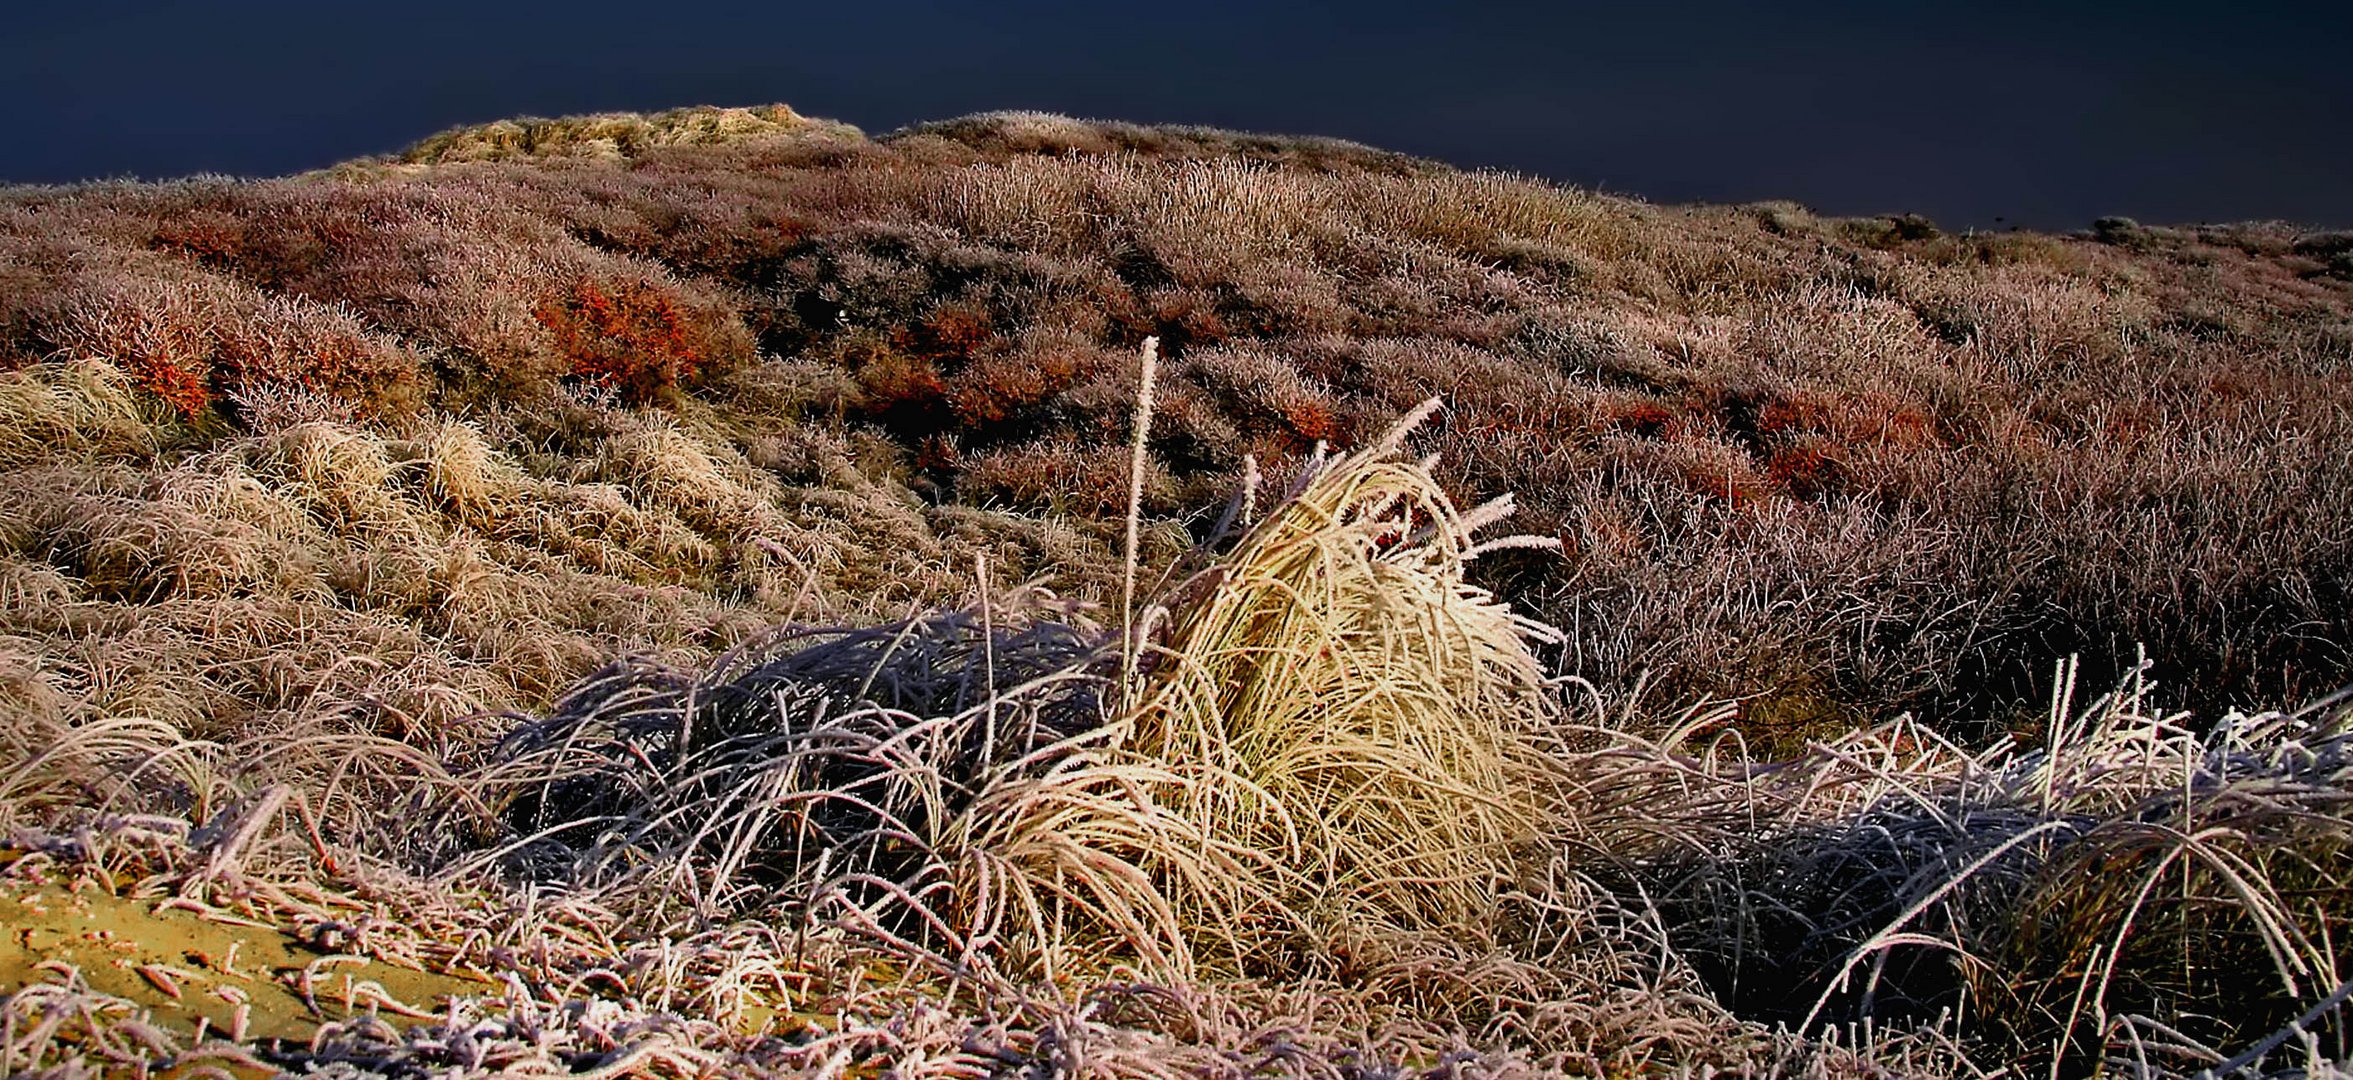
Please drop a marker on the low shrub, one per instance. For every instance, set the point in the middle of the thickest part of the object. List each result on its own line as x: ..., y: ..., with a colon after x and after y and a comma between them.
x: 628, y: 336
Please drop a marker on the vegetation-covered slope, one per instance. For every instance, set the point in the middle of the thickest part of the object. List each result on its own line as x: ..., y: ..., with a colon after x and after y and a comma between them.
x: 348, y: 490
x: 1842, y: 466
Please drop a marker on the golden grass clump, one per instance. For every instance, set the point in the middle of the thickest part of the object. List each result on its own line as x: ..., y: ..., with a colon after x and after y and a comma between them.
x: 1376, y: 724
x: 339, y: 474
x: 667, y: 466
x: 472, y: 482
x: 86, y: 408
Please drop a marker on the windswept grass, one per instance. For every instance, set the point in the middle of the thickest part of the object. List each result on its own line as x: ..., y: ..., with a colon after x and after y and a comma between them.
x: 1340, y: 767
x: 685, y: 568
x: 1333, y: 737
x: 974, y: 797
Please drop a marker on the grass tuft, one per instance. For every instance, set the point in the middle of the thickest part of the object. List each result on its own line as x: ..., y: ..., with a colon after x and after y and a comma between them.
x: 1357, y: 710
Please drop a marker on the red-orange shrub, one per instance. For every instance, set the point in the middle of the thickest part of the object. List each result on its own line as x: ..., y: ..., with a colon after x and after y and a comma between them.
x: 632, y: 336
x: 1644, y: 416
x: 1267, y: 391
x: 953, y: 331
x: 891, y: 383
x: 1867, y: 418
x: 161, y: 334
x: 1806, y: 469
x: 1737, y: 488
x: 998, y: 387
x: 1309, y: 420
x: 1186, y: 319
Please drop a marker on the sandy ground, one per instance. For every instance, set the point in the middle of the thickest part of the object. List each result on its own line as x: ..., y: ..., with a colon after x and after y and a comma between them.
x: 196, y: 968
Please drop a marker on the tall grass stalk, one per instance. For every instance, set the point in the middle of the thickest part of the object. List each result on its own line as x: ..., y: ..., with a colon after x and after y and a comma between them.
x: 1147, y: 375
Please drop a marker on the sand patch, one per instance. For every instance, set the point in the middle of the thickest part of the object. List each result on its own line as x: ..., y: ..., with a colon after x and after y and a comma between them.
x: 198, y: 970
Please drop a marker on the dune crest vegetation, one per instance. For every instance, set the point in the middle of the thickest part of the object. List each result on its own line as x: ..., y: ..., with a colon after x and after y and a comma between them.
x: 727, y: 584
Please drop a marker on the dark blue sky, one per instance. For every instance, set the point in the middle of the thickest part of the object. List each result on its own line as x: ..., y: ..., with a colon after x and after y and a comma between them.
x: 2043, y: 114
